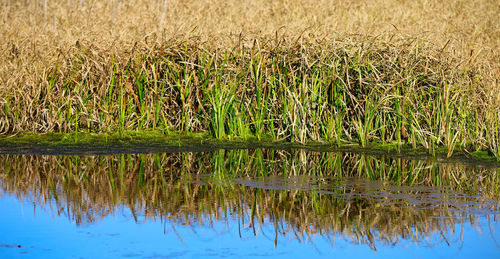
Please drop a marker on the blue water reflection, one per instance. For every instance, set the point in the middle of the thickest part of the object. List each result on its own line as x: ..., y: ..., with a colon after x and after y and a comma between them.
x: 41, y: 233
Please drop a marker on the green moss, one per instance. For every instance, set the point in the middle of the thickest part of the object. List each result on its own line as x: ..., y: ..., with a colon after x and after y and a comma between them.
x: 484, y: 155
x: 158, y: 141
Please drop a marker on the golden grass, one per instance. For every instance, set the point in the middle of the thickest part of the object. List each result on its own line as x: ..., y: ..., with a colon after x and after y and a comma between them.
x: 46, y: 25
x: 41, y: 36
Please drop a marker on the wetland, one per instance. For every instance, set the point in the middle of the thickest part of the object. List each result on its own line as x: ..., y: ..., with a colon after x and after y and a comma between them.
x: 301, y: 128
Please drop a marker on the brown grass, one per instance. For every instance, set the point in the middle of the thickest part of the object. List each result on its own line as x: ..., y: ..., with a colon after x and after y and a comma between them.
x: 468, y: 25
x: 40, y: 36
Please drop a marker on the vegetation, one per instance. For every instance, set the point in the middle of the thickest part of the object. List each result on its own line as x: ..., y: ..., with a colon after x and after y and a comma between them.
x: 93, y: 67
x: 208, y: 74
x: 303, y: 193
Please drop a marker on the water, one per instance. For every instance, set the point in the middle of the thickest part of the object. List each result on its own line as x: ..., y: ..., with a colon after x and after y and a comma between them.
x: 245, y: 203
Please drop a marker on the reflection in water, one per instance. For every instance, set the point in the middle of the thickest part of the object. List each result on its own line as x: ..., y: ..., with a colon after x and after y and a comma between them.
x: 373, y: 201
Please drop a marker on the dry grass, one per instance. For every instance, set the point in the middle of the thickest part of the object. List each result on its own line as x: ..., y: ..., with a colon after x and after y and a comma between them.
x: 40, y: 37
x: 469, y: 25
x: 46, y: 25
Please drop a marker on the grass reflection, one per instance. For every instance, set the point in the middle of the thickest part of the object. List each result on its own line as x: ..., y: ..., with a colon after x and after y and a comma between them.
x: 370, y: 200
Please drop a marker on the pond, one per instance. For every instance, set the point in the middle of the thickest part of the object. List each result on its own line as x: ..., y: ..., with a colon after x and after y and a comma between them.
x: 246, y: 203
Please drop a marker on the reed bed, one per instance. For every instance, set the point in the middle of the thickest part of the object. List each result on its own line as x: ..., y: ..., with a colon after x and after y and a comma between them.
x: 327, y: 71
x: 307, y: 194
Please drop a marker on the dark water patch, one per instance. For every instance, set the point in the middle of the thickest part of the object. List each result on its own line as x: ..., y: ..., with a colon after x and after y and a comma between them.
x: 352, y: 189
x: 9, y: 246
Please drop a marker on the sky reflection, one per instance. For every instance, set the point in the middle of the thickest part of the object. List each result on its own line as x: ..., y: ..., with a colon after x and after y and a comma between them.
x: 43, y: 234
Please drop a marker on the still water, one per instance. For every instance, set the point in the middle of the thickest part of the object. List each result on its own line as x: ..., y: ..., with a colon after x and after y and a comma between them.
x: 246, y: 203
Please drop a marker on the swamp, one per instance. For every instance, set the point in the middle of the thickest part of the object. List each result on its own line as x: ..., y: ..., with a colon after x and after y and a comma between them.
x: 263, y: 128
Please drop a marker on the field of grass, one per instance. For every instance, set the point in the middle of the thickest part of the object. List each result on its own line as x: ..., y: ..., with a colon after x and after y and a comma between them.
x: 424, y: 73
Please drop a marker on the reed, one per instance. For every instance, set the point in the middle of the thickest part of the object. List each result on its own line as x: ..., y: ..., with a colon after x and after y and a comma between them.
x: 287, y: 91
x: 104, y: 66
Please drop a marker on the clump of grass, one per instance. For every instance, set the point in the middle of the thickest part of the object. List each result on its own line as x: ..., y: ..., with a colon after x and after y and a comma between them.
x: 352, y: 91
x: 100, y: 66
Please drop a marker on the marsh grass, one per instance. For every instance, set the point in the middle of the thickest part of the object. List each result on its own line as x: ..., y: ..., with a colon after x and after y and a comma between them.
x: 288, y: 71
x: 303, y: 194
x: 342, y: 92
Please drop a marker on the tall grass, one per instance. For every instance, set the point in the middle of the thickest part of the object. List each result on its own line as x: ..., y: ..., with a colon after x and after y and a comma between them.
x: 342, y: 92
x: 101, y: 66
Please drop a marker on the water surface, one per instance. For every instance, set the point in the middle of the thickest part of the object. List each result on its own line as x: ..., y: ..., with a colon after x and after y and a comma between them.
x: 245, y: 203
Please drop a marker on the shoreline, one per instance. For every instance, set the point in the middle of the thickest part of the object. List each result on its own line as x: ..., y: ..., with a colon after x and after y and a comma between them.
x: 133, y: 142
